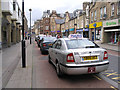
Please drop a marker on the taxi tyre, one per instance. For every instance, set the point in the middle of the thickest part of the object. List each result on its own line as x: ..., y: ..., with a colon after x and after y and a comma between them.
x: 58, y: 71
x: 49, y: 59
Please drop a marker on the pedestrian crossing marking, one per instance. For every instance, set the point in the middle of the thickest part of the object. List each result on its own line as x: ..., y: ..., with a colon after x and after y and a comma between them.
x: 116, y: 78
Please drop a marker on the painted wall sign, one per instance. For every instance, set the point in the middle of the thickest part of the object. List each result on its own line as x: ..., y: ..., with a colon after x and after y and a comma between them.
x: 111, y: 23
x: 98, y: 24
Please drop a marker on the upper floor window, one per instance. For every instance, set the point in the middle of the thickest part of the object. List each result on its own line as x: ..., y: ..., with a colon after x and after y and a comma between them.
x: 112, y: 9
x: 95, y: 15
x: 104, y: 10
x: 92, y: 17
x: 101, y: 13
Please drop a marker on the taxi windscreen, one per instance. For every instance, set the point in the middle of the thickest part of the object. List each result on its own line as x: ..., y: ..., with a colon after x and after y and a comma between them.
x: 80, y: 43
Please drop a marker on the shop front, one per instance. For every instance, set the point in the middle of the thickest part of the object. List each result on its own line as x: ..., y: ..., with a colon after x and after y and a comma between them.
x: 112, y: 31
x: 95, y: 31
x: 71, y: 31
x: 84, y: 32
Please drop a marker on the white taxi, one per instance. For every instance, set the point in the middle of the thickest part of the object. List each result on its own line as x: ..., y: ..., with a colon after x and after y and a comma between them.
x: 77, y: 55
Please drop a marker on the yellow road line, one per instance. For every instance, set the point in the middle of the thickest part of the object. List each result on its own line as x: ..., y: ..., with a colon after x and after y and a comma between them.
x: 97, y: 77
x: 113, y: 87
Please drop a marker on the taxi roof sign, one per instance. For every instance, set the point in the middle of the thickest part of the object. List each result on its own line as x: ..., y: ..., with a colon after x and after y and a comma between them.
x: 75, y: 36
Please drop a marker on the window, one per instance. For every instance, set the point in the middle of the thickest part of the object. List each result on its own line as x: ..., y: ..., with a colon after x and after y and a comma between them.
x: 95, y: 15
x: 104, y: 15
x: 100, y: 13
x: 80, y: 43
x: 112, y: 9
x: 47, y: 27
x: 59, y: 44
x: 104, y: 10
x: 91, y: 17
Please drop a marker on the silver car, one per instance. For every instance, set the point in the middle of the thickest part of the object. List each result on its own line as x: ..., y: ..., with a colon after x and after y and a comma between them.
x: 77, y: 56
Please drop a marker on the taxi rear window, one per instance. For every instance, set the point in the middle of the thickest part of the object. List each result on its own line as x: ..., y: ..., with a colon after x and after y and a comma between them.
x: 80, y: 43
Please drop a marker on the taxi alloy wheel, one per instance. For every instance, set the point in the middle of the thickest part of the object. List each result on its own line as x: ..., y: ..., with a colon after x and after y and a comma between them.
x: 59, y: 73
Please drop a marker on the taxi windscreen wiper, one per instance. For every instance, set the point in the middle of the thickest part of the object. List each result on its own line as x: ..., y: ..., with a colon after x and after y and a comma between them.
x: 90, y: 47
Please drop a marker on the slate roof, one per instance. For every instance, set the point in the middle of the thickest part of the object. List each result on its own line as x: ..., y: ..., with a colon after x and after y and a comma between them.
x: 59, y: 21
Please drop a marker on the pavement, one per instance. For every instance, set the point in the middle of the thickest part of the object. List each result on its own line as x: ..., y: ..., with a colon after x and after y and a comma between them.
x: 22, y: 77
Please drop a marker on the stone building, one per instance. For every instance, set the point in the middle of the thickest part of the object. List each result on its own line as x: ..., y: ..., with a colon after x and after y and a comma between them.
x: 53, y: 27
x: 104, y: 25
x: 11, y: 22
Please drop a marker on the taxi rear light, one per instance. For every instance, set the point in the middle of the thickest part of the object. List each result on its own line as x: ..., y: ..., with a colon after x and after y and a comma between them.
x: 44, y: 45
x: 105, y: 55
x: 70, y: 57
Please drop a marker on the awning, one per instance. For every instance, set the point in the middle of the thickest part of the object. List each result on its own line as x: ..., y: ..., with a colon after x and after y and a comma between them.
x: 112, y: 30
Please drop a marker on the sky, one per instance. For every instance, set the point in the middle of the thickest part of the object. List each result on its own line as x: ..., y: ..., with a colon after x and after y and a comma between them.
x: 38, y: 6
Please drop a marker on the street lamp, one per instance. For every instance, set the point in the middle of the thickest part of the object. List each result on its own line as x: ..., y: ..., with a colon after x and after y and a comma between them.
x: 23, y: 40
x: 30, y: 24
x: 75, y: 25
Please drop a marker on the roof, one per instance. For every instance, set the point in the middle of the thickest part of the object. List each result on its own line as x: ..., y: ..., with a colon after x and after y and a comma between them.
x: 59, y: 21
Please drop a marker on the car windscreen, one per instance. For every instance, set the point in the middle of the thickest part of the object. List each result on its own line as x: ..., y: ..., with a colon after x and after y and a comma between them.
x: 80, y: 43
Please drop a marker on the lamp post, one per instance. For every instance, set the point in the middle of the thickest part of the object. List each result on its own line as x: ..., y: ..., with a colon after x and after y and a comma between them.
x: 75, y: 27
x: 23, y: 40
x: 30, y: 24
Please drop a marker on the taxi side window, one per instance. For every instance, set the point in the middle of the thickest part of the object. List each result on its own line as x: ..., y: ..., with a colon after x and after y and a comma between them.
x: 54, y: 44
x: 59, y: 44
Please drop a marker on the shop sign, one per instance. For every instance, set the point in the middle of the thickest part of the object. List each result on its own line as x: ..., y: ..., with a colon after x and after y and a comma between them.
x: 111, y: 23
x: 119, y: 21
x: 72, y: 29
x: 98, y: 24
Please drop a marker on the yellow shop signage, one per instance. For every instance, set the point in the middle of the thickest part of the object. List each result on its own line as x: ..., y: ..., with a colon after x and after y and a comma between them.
x: 98, y: 24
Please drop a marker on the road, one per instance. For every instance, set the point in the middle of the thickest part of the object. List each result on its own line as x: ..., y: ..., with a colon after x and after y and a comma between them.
x: 44, y: 75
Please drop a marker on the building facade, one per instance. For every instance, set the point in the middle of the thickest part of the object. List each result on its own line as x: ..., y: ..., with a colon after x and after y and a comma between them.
x: 102, y: 13
x: 11, y: 22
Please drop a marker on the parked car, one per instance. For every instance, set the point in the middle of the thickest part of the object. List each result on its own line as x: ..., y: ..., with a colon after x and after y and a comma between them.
x: 77, y: 55
x: 40, y: 39
x: 36, y: 38
x: 46, y: 43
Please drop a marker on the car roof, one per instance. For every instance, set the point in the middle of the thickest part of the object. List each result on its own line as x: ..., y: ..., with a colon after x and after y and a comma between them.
x: 70, y: 39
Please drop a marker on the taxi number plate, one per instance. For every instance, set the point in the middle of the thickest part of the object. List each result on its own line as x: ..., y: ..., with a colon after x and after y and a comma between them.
x: 89, y: 58
x: 91, y: 70
x: 50, y: 44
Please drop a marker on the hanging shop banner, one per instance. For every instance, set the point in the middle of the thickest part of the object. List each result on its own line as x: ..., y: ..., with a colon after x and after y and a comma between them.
x: 58, y: 31
x: 72, y: 29
x: 98, y: 24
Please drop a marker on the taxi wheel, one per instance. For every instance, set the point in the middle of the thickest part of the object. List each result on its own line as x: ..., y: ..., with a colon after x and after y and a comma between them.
x: 59, y: 73
x: 49, y: 59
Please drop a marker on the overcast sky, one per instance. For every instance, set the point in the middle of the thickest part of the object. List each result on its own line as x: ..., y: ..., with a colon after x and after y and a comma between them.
x: 38, y: 6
